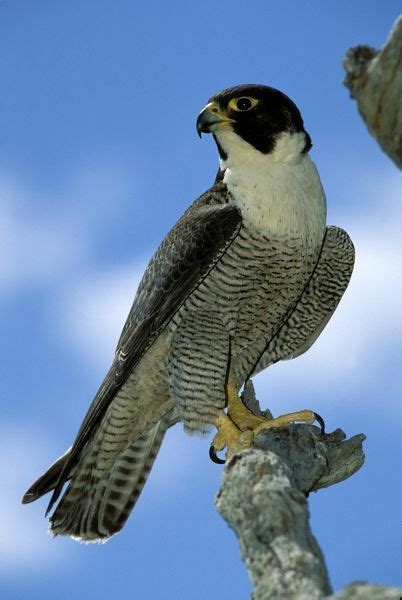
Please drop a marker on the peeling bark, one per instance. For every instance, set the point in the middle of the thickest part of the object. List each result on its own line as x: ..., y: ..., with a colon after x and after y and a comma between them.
x: 374, y: 78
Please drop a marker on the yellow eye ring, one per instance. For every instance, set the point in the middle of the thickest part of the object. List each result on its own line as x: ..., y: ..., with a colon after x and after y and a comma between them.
x: 242, y: 104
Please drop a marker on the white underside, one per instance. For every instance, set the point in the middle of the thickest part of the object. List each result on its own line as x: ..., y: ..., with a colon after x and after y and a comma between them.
x: 279, y: 192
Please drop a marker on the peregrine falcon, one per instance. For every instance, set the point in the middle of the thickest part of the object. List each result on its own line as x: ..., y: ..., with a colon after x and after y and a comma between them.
x: 249, y: 275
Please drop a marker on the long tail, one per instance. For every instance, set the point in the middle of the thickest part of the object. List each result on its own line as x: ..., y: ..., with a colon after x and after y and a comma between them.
x: 103, y: 489
x: 94, y: 508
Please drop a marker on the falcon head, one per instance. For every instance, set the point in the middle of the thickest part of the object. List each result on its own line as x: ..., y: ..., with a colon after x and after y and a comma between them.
x: 257, y: 114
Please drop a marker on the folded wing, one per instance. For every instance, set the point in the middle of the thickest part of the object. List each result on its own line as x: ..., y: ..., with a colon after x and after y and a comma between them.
x: 317, y: 303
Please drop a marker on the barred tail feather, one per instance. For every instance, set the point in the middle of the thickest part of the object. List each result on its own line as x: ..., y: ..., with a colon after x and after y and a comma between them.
x: 95, y: 508
x: 46, y: 482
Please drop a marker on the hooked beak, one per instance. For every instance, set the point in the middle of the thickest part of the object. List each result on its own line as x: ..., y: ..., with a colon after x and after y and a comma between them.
x: 210, y: 118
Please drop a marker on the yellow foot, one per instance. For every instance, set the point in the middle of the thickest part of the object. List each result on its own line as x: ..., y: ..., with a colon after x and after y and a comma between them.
x: 245, y: 419
x: 237, y: 428
x: 229, y: 436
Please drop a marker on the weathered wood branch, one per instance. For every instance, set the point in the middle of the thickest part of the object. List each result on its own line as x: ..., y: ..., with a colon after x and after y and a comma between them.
x: 263, y: 497
x: 366, y: 591
x: 374, y: 78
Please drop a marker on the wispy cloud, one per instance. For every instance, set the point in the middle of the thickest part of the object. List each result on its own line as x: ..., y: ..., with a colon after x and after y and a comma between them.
x: 24, y: 543
x: 369, y: 314
x: 95, y: 310
x: 48, y: 235
x: 35, y: 247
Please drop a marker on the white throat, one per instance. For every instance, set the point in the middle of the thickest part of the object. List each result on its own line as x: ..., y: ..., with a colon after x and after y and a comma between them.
x: 279, y: 192
x: 288, y: 150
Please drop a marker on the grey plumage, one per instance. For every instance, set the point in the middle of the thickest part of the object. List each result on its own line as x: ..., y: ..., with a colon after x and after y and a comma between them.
x: 317, y: 302
x: 96, y: 506
x: 248, y: 276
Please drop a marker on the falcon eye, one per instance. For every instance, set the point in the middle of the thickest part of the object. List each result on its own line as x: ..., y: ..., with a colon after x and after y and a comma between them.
x: 242, y: 104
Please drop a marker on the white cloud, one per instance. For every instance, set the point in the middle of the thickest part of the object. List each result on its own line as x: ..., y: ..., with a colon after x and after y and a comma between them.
x: 179, y: 451
x: 94, y: 311
x: 47, y: 236
x: 24, y: 542
x: 369, y: 314
x: 35, y: 247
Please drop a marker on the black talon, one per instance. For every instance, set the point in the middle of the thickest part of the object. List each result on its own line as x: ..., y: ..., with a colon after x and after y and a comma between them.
x: 321, y: 421
x: 214, y: 457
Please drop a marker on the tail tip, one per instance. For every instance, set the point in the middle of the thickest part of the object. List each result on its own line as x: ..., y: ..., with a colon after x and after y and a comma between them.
x: 28, y: 497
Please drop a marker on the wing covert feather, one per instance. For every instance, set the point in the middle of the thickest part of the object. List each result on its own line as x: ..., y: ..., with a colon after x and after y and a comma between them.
x: 184, y: 258
x: 318, y: 302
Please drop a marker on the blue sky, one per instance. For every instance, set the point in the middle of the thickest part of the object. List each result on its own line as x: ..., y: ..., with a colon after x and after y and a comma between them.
x: 98, y: 158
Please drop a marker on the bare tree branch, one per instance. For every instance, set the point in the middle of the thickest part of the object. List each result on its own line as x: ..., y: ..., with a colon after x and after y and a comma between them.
x: 374, y: 78
x: 263, y: 497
